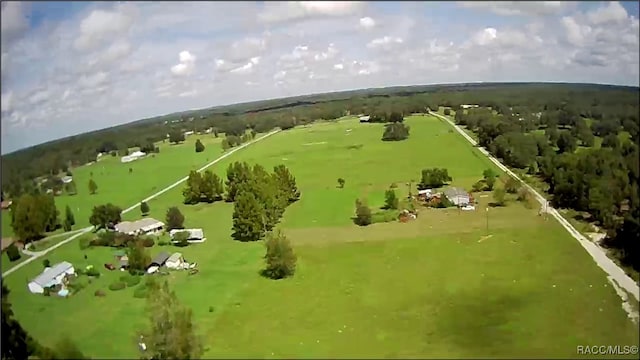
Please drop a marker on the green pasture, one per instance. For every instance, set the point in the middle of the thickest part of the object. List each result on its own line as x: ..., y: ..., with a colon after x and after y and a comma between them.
x: 444, y: 285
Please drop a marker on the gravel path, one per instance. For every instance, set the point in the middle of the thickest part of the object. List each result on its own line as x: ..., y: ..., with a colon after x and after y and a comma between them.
x: 36, y: 255
x: 615, y: 274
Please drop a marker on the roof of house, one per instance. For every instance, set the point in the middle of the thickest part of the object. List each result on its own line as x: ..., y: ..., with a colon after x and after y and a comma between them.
x: 6, y: 204
x: 160, y: 259
x: 67, y: 178
x: 425, y: 191
x: 137, y: 153
x: 145, y: 224
x: 51, y: 273
x: 367, y: 117
x: 193, y: 233
x: 124, y: 262
x: 175, y: 257
x: 453, y: 192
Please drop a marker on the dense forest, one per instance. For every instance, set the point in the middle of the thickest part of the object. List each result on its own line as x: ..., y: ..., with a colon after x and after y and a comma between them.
x: 580, y: 140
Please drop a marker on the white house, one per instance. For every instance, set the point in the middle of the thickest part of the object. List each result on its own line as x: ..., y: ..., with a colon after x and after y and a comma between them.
x: 50, y: 277
x: 187, y: 133
x: 365, y: 118
x: 67, y: 179
x: 195, y: 235
x: 132, y: 157
x: 144, y: 226
x: 469, y: 106
x: 174, y: 261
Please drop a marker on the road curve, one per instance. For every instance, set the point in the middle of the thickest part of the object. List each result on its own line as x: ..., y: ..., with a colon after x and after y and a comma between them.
x: 614, y: 272
x: 87, y: 229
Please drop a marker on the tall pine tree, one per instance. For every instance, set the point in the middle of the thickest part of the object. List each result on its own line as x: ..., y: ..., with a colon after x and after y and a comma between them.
x: 192, y: 192
x: 248, y: 218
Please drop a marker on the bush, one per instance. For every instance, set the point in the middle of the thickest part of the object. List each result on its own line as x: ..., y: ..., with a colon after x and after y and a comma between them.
x: 46, y: 263
x: 13, y: 253
x: 280, y: 259
x: 100, y: 293
x: 84, y: 243
x: 130, y: 280
x: 164, y: 243
x: 148, y: 242
x: 210, y: 309
x: 447, y: 112
x: 92, y: 272
x: 363, y: 213
x: 140, y: 292
x: 118, y: 285
x: 76, y: 285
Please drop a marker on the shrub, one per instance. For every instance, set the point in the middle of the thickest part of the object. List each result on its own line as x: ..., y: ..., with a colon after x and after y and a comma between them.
x: 130, y: 280
x: 447, y: 112
x: 81, y: 271
x: 140, y: 292
x: 280, y: 259
x: 384, y: 216
x: 84, y: 243
x: 118, y: 285
x: 164, y: 242
x: 363, y: 213
x: 210, y: 309
x: 100, y: 293
x: 148, y: 242
x: 46, y: 263
x: 76, y: 285
x: 92, y: 272
x: 13, y: 253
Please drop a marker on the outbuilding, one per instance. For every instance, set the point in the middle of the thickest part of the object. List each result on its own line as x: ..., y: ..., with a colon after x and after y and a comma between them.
x: 458, y: 196
x: 50, y: 277
x: 174, y: 261
x: 194, y: 235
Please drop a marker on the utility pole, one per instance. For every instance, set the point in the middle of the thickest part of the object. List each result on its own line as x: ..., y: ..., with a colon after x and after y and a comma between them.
x: 487, y: 212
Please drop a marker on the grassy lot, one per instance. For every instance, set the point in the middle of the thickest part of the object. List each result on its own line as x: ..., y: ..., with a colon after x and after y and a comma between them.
x: 434, y: 287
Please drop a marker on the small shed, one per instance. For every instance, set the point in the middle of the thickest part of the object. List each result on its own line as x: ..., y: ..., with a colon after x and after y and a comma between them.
x: 175, y: 261
x: 50, y: 277
x: 160, y: 259
x: 195, y: 235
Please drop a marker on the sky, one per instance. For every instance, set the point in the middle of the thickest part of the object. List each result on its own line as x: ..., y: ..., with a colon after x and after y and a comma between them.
x: 73, y: 67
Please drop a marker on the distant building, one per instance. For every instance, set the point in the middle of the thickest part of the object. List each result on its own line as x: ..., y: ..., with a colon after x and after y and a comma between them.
x: 458, y: 196
x: 67, y: 179
x: 365, y: 118
x: 187, y: 133
x: 6, y: 204
x: 132, y: 157
x: 469, y: 106
x: 141, y: 227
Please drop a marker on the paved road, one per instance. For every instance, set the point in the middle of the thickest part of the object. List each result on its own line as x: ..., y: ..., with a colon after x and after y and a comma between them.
x: 132, y: 207
x: 614, y: 272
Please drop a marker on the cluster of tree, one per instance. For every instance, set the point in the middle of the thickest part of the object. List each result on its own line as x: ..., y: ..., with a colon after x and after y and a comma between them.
x: 206, y: 187
x: 176, y: 136
x: 386, y: 117
x: 34, y: 215
x: 395, y: 131
x: 18, y: 344
x: 149, y: 148
x: 259, y: 197
x: 170, y: 332
x: 434, y: 178
x: 391, y: 200
x: 235, y: 140
x: 105, y: 216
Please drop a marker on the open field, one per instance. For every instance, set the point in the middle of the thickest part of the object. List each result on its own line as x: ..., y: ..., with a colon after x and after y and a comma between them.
x: 434, y: 287
x: 118, y: 186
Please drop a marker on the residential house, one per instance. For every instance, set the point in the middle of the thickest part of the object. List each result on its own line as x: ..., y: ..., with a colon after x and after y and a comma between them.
x: 174, y: 261
x: 146, y: 226
x: 365, y: 118
x: 195, y: 235
x: 132, y: 157
x: 187, y: 133
x: 66, y: 179
x: 50, y: 277
x: 468, y: 106
x: 458, y: 196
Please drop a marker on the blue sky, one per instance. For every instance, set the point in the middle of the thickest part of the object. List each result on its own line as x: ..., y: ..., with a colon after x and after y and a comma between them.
x: 72, y: 67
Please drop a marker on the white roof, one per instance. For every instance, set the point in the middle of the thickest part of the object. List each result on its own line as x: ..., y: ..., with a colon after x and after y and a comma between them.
x: 145, y: 224
x: 193, y: 233
x: 174, y: 257
x: 52, y: 272
x: 425, y: 191
x: 137, y: 153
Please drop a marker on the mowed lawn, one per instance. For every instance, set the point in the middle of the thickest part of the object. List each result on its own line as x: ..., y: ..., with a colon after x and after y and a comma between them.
x: 434, y: 287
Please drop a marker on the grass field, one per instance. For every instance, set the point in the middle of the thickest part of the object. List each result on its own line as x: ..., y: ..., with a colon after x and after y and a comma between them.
x: 118, y: 186
x: 434, y: 287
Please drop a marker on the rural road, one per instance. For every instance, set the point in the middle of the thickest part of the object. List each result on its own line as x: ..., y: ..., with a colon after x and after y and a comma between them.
x: 87, y: 229
x: 614, y: 272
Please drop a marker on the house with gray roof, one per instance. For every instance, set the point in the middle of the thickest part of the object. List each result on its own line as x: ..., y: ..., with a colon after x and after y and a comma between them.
x: 458, y: 196
x: 141, y: 227
x: 50, y: 277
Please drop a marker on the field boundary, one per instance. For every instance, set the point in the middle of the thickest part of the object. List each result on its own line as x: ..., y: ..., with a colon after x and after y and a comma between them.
x: 614, y: 272
x: 89, y: 228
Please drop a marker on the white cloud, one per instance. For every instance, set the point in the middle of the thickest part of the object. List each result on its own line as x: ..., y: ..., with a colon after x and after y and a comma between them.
x: 612, y: 13
x: 63, y: 71
x: 186, y: 65
x: 298, y: 10
x: 517, y: 8
x: 367, y: 23
x: 101, y: 26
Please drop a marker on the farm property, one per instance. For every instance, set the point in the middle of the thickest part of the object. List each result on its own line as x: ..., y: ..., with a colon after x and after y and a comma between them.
x: 433, y: 287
